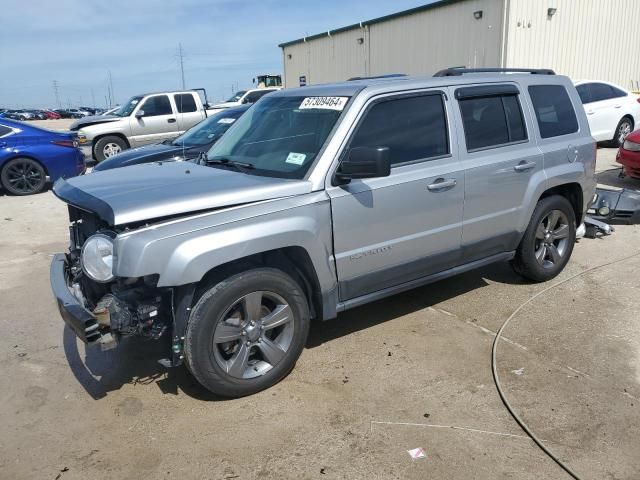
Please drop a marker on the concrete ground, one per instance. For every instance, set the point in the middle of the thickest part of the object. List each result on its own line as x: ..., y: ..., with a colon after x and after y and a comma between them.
x: 410, y: 371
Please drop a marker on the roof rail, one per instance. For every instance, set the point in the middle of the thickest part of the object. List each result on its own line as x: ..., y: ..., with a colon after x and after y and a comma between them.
x: 389, y: 75
x: 452, y: 72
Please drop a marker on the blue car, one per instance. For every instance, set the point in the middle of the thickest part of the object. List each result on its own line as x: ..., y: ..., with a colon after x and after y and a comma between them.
x: 32, y: 157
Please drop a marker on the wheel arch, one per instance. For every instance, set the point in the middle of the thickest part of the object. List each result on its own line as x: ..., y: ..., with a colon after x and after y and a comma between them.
x: 293, y: 260
x: 572, y: 192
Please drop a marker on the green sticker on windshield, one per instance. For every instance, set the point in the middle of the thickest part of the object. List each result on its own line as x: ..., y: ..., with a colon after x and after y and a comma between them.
x: 296, y: 158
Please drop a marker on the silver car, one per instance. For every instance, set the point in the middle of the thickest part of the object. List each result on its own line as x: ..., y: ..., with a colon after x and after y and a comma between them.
x: 321, y: 199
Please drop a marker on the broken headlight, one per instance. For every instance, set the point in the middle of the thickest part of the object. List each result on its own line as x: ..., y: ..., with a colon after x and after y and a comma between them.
x: 97, y: 258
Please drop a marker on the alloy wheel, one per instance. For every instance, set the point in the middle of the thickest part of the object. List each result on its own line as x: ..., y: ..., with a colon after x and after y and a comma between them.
x: 623, y: 131
x: 552, y: 239
x: 24, y: 176
x: 254, y: 335
x: 111, y: 149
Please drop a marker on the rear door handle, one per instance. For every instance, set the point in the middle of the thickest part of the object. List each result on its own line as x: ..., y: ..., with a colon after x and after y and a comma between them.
x: 590, y: 112
x: 441, y: 184
x: 171, y: 120
x: 524, y: 166
x: 617, y: 106
x: 3, y: 144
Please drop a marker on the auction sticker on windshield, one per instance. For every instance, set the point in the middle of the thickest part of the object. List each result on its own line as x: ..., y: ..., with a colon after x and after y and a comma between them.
x: 226, y: 120
x: 296, y: 158
x: 327, y: 103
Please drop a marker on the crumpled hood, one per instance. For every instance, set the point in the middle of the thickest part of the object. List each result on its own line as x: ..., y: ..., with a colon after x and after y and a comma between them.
x: 154, y: 190
x: 93, y: 120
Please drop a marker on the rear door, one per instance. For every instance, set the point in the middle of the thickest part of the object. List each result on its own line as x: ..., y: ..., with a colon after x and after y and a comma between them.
x: 501, y: 163
x: 189, y: 110
x: 392, y: 230
x: 157, y: 123
x: 603, y: 111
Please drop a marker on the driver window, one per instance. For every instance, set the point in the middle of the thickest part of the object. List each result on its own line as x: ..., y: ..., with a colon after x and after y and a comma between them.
x: 413, y: 128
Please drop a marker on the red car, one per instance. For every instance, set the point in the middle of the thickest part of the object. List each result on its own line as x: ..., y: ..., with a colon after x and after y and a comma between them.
x: 629, y: 155
x: 51, y: 115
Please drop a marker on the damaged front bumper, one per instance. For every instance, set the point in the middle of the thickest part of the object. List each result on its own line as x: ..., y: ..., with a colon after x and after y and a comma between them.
x: 133, y: 311
x: 82, y: 321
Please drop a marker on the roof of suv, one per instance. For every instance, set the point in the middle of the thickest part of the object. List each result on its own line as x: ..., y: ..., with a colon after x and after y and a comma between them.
x: 352, y: 87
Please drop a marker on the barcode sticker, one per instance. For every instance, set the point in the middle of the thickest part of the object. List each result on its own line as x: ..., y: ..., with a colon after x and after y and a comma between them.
x: 326, y: 103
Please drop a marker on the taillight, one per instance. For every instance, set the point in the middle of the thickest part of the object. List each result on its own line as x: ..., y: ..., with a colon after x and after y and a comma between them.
x: 65, y: 143
x: 638, y: 99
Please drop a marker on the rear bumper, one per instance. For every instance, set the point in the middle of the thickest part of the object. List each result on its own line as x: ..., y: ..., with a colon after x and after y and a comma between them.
x: 81, y: 321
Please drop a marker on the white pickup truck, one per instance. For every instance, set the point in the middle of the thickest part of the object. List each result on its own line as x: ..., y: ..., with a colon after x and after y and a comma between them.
x: 143, y: 119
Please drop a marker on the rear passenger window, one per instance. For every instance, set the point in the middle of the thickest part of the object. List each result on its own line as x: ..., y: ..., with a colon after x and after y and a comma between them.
x: 554, y: 110
x: 492, y: 121
x: 185, y: 103
x: 414, y: 128
x: 158, y: 105
x: 4, y: 130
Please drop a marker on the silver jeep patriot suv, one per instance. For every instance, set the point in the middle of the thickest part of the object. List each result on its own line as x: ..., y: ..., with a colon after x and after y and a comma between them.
x: 321, y: 199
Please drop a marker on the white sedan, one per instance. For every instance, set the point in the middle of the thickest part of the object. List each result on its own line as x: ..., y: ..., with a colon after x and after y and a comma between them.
x: 612, y: 111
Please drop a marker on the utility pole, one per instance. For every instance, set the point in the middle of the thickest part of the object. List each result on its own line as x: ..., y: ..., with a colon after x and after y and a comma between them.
x: 55, y: 91
x: 181, y: 55
x: 113, y: 95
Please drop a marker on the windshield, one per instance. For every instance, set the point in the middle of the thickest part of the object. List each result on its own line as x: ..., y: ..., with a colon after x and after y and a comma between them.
x: 127, y: 107
x: 209, y: 130
x: 237, y: 96
x: 280, y: 136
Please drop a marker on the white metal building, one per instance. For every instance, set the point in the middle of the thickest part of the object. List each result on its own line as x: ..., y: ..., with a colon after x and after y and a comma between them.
x: 584, y: 39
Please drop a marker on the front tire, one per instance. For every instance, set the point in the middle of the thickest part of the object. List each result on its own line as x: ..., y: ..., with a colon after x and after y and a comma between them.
x: 108, y: 147
x: 245, y: 333
x: 548, y: 242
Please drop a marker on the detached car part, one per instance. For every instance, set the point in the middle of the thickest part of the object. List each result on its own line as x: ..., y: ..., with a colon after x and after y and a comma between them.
x: 617, y: 207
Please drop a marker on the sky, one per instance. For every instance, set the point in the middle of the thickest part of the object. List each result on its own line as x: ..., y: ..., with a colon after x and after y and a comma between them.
x: 225, y: 43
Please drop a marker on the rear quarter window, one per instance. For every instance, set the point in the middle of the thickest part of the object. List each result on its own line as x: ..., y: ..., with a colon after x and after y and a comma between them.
x: 554, y: 110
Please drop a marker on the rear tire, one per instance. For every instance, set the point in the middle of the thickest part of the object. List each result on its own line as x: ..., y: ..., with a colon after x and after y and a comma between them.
x: 548, y: 242
x: 245, y: 333
x: 108, y: 147
x: 624, y: 128
x: 23, y: 176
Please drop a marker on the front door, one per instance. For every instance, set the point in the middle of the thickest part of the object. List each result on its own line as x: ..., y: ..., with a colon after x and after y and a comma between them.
x: 157, y: 122
x: 392, y: 230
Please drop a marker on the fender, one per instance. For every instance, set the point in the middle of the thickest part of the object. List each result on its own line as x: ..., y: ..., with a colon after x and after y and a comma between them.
x: 183, y: 251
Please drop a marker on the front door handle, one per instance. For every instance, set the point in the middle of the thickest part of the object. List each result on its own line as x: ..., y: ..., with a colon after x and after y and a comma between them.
x: 171, y: 120
x: 442, y: 184
x: 524, y: 166
x: 590, y: 112
x: 3, y: 144
x: 617, y: 106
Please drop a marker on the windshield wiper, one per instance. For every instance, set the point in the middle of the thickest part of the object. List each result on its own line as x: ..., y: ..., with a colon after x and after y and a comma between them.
x: 231, y: 163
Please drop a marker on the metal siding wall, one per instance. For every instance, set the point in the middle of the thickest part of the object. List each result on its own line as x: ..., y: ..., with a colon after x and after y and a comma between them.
x: 422, y: 43
x: 586, y: 39
x: 417, y: 44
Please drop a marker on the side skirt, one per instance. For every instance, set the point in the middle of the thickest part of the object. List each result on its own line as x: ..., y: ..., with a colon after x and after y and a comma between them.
x: 387, y: 292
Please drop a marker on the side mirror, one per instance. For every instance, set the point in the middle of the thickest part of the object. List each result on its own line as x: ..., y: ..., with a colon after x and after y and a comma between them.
x: 140, y: 114
x: 365, y: 162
